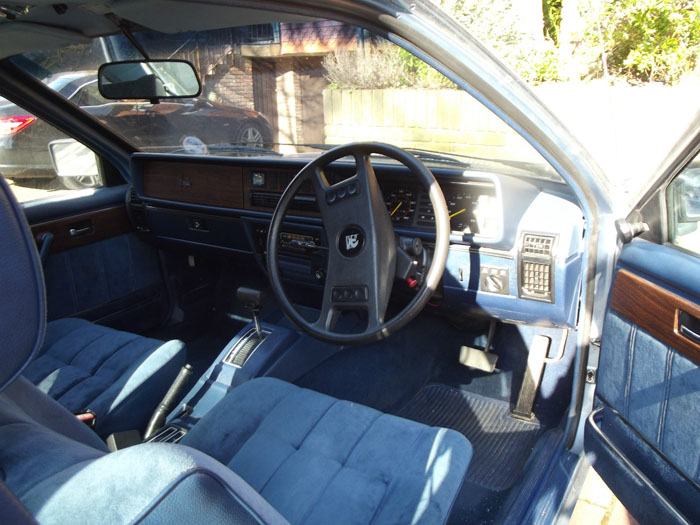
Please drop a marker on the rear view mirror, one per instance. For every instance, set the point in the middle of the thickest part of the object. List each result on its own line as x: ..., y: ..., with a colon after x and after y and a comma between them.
x: 148, y: 79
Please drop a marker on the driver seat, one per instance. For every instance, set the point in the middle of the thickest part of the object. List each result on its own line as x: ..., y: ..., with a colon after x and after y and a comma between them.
x: 302, y: 456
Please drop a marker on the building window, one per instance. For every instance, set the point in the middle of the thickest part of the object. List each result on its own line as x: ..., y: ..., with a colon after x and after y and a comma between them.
x: 261, y: 34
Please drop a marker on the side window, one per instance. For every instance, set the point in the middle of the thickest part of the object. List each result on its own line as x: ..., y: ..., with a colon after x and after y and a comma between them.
x: 30, y: 167
x: 683, y: 204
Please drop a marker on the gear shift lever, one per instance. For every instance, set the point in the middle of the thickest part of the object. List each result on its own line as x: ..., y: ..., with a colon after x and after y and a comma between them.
x: 252, y: 300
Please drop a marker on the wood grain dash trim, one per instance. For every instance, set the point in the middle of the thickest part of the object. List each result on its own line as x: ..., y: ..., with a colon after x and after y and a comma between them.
x: 106, y: 223
x: 655, y: 310
x: 195, y: 183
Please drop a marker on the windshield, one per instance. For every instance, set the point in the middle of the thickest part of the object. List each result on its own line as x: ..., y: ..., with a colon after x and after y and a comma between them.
x: 59, y: 83
x: 294, y: 89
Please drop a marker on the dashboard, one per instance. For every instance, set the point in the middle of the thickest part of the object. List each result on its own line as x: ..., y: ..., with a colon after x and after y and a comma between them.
x: 515, y: 244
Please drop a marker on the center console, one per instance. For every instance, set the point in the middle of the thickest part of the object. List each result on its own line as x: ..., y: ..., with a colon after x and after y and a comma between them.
x: 246, y: 356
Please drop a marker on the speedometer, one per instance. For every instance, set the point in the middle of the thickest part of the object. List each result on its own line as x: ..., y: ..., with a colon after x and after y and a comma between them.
x: 459, y: 206
x: 401, y: 204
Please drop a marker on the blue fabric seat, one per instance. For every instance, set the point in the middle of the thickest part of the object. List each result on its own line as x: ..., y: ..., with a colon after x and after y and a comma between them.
x: 318, y: 459
x: 120, y: 376
x: 305, y: 456
x: 61, y: 472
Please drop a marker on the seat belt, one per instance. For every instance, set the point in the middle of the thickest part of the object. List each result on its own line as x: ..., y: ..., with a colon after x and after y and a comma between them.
x: 531, y: 380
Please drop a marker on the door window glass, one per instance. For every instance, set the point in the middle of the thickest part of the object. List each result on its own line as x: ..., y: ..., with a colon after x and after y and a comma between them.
x: 27, y: 161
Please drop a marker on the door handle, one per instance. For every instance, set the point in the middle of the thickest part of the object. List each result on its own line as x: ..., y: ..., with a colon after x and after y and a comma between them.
x: 79, y: 228
x: 75, y: 232
x: 689, y: 326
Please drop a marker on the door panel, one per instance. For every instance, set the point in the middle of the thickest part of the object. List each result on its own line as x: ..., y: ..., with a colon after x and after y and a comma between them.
x: 98, y: 268
x: 644, y: 438
x: 84, y: 228
x: 660, y: 314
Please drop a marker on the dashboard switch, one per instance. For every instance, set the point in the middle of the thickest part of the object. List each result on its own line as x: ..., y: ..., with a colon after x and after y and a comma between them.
x: 349, y: 294
x: 493, y: 279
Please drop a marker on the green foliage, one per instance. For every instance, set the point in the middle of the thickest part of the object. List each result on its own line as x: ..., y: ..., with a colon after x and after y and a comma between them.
x: 547, y: 67
x: 499, y: 25
x: 635, y: 40
x: 551, y: 12
x: 652, y: 40
x: 419, y: 74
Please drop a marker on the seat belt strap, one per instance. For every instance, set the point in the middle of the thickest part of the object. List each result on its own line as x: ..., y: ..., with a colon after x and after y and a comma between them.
x: 531, y: 380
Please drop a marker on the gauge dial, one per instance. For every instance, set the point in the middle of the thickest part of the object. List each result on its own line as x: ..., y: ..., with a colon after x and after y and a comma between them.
x: 459, y: 207
x: 473, y: 209
x: 401, y: 204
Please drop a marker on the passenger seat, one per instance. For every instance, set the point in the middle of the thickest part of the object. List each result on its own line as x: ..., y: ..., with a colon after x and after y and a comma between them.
x: 119, y: 376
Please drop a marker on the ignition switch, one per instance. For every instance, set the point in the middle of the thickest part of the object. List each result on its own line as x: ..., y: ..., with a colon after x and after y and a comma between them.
x: 412, y: 261
x: 411, y: 245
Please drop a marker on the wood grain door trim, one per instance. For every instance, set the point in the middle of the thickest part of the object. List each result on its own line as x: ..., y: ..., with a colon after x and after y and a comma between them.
x: 102, y: 224
x: 655, y: 310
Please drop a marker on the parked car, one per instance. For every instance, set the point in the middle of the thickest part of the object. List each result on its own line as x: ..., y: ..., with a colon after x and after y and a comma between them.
x: 439, y: 315
x: 24, y: 139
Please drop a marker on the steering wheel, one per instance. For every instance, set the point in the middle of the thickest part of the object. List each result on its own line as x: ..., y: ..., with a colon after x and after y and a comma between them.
x: 362, y: 246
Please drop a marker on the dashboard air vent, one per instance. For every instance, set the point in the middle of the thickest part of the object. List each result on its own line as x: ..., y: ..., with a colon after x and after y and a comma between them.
x: 264, y: 199
x: 536, y: 268
x: 269, y: 200
x: 537, y: 244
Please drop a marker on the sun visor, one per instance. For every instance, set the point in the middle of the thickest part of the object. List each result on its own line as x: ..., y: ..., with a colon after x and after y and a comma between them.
x: 22, y: 37
x: 169, y: 16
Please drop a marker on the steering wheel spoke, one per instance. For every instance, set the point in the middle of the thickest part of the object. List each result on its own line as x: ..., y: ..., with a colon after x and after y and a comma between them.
x: 328, y: 317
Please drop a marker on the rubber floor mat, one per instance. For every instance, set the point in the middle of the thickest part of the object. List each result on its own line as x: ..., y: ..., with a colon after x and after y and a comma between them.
x: 501, y: 444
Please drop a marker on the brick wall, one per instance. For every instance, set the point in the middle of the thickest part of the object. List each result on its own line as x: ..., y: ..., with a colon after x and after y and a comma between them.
x: 321, y: 36
x: 232, y: 85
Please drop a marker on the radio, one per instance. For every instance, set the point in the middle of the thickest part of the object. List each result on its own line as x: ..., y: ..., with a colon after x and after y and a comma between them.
x: 299, y: 241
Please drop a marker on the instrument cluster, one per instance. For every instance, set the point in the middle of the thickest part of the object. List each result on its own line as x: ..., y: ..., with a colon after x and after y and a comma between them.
x: 473, y: 206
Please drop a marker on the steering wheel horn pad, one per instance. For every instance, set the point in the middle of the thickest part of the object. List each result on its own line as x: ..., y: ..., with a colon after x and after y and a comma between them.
x: 351, y: 241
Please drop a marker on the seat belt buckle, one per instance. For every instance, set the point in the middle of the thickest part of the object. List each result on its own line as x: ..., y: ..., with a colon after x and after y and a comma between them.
x: 86, y: 416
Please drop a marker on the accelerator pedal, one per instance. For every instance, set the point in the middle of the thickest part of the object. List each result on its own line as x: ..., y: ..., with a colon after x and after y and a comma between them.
x: 480, y: 359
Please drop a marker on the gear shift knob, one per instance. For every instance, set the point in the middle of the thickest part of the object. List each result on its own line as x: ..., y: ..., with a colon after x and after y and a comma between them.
x: 252, y: 300
x: 250, y: 297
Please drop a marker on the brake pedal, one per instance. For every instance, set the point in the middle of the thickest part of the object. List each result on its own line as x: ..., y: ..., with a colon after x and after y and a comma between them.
x: 480, y: 359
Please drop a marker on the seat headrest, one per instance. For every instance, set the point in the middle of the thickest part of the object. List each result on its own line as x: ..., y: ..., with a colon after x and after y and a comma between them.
x: 22, y: 294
